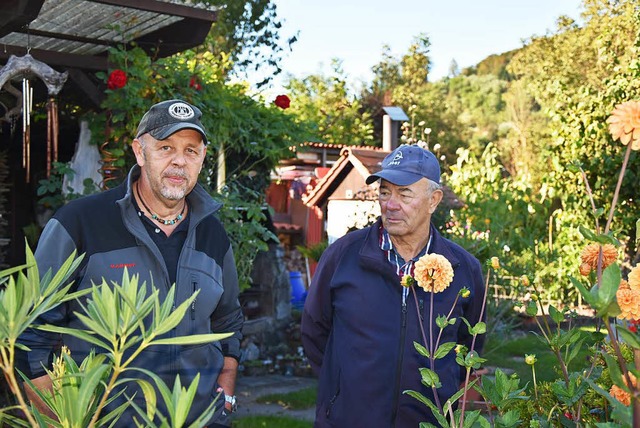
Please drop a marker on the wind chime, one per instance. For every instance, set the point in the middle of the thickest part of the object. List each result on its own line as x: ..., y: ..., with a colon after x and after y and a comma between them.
x: 27, y: 105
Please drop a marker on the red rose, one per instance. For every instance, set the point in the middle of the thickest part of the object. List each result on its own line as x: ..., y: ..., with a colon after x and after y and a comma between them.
x: 117, y: 79
x: 282, y: 101
x: 193, y: 83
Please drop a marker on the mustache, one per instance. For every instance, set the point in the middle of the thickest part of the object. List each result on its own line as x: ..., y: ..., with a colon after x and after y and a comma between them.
x: 175, y: 173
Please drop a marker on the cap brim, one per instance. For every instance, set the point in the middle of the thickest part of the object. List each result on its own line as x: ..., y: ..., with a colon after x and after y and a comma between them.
x: 164, y: 132
x: 399, y: 178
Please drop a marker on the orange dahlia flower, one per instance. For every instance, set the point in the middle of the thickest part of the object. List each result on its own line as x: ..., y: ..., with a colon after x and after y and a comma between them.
x: 634, y: 277
x: 433, y: 272
x: 629, y: 303
x: 624, y: 124
x: 591, y: 252
x: 620, y: 394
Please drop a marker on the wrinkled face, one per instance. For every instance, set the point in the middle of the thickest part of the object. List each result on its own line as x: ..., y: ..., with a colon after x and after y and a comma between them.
x: 170, y: 167
x: 406, y: 210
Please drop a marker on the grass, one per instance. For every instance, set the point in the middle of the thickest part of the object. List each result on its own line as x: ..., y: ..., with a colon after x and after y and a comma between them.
x: 270, y: 422
x: 297, y: 400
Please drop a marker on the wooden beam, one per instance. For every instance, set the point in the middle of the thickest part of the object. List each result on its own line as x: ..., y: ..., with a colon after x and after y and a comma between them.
x: 63, y: 36
x: 60, y: 59
x: 164, y: 8
x: 15, y: 14
x: 93, y: 92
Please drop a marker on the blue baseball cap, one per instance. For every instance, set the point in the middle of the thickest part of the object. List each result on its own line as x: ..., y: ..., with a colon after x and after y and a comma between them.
x: 406, y: 165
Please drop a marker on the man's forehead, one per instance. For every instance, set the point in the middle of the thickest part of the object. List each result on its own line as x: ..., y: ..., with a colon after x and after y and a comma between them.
x: 415, y: 185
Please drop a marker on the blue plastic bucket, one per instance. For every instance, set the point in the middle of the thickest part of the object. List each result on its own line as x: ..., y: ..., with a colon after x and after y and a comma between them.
x: 298, y: 290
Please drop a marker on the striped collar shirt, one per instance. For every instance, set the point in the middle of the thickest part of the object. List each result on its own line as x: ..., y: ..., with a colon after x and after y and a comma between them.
x: 401, y: 266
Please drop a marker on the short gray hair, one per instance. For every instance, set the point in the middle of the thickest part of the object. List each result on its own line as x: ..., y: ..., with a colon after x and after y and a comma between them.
x: 433, y: 186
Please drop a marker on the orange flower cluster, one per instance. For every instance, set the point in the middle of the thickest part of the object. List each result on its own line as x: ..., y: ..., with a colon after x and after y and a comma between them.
x: 624, y: 124
x: 634, y: 277
x: 590, y: 254
x: 628, y: 299
x: 620, y: 394
x: 433, y: 272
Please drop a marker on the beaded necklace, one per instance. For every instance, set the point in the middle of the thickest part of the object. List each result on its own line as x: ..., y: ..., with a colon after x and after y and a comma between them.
x: 155, y: 217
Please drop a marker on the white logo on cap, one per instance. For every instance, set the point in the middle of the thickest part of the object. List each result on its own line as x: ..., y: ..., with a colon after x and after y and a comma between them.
x: 181, y: 111
x: 396, y: 159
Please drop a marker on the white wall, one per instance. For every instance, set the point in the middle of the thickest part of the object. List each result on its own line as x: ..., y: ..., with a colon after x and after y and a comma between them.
x: 345, y: 214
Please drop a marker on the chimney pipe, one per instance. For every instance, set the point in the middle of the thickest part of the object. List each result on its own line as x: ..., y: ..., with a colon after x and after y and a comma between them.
x: 389, y: 133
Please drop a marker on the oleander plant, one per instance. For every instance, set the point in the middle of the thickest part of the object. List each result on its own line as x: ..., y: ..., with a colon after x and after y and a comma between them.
x: 123, y: 319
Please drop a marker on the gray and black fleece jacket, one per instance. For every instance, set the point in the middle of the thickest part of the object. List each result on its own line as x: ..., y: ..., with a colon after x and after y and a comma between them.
x: 107, y: 229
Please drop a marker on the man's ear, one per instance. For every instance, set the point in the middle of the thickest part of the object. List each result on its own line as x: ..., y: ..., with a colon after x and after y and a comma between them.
x: 136, y: 145
x: 435, y: 199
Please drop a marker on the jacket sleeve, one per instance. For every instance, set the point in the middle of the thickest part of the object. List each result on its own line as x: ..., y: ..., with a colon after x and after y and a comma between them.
x: 317, y: 315
x: 54, y: 247
x: 228, y: 317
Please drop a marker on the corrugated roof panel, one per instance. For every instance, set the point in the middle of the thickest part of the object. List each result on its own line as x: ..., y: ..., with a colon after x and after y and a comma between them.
x: 79, y: 18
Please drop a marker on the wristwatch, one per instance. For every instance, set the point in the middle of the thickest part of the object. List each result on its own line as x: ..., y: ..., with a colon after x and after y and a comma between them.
x: 231, y: 399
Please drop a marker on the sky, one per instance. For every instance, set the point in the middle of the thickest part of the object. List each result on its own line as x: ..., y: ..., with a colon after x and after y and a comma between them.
x: 355, y: 31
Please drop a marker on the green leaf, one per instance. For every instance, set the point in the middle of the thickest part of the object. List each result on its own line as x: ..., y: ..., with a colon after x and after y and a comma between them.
x: 434, y: 409
x: 421, y: 349
x: 609, y: 286
x: 586, y: 294
x: 191, y: 340
x: 629, y: 337
x: 479, y: 328
x: 532, y: 308
x: 80, y: 334
x: 443, y: 350
x: 430, y: 378
x: 441, y: 321
x: 555, y: 314
x: 150, y: 399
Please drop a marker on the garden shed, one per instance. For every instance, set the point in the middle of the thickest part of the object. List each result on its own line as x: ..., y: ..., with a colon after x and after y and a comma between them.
x: 342, y: 194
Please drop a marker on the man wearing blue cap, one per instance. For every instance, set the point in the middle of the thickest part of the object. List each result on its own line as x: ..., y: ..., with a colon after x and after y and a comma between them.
x: 159, y: 224
x: 359, y: 323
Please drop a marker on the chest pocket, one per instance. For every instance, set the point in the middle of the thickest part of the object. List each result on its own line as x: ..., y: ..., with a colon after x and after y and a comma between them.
x: 206, y: 279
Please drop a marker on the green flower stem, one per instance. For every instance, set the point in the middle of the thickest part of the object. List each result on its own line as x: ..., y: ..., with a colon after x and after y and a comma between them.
x: 473, y: 344
x: 590, y: 194
x: 618, y: 185
x: 424, y: 338
x: 535, y: 384
x: 7, y: 366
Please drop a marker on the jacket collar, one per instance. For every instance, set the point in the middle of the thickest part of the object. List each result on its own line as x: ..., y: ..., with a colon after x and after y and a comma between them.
x: 373, y: 257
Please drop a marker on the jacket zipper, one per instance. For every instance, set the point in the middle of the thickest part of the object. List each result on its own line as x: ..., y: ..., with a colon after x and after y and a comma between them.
x: 396, y: 391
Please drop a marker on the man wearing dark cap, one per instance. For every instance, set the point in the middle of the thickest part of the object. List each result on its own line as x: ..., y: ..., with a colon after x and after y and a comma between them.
x: 359, y: 323
x: 159, y: 224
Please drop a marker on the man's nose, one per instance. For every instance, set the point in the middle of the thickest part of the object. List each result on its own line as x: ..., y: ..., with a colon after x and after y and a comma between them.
x: 393, y: 203
x: 179, y: 159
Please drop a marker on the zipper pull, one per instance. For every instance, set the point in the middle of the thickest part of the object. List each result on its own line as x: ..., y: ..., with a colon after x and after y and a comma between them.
x: 404, y: 314
x: 193, y: 304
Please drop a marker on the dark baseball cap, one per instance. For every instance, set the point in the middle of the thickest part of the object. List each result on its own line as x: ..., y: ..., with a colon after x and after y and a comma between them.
x: 168, y: 117
x: 406, y: 165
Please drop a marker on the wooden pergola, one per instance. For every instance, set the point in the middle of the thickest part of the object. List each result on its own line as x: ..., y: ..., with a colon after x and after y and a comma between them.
x: 74, y: 35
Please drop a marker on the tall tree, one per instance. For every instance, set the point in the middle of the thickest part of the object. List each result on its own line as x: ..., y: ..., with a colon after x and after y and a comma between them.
x: 247, y: 36
x: 327, y: 102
